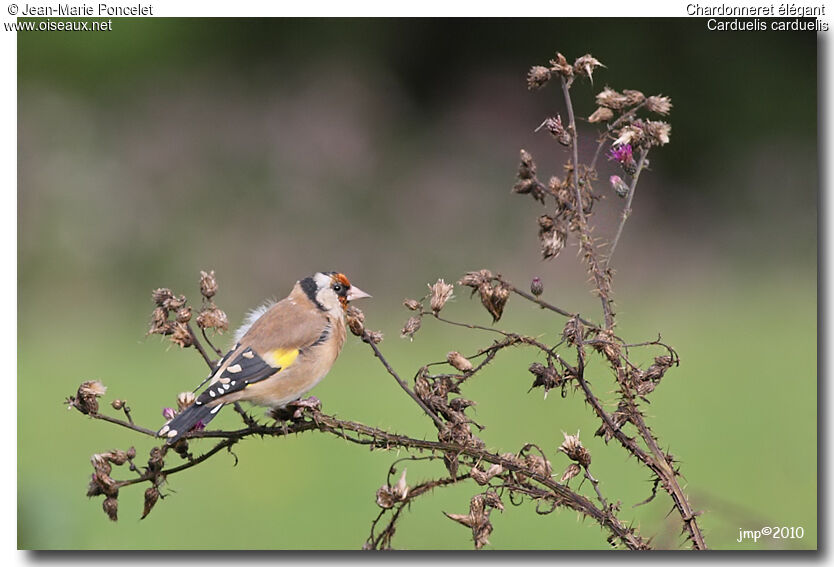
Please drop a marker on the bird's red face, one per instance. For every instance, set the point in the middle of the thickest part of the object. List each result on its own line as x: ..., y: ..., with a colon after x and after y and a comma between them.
x: 344, y: 290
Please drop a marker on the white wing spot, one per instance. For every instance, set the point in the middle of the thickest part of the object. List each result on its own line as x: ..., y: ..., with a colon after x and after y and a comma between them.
x: 172, y: 433
x: 248, y: 354
x: 211, y: 393
x: 235, y: 368
x: 217, y: 409
x: 163, y: 431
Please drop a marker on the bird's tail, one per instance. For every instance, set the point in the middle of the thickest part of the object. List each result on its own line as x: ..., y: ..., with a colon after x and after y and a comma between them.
x: 194, y: 416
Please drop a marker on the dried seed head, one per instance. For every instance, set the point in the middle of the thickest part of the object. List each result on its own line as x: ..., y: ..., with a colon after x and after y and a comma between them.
x: 558, y: 130
x: 601, y: 114
x: 585, y: 66
x: 412, y: 304
x: 546, y: 377
x: 185, y: 399
x: 85, y: 399
x: 355, y: 320
x: 656, y: 371
x: 441, y: 292
x: 212, y: 317
x: 151, y: 496
x: 553, y: 234
x: 117, y: 404
x: 118, y: 457
x: 174, y: 303
x: 631, y: 135
x: 208, y: 284
x: 184, y: 315
x: 609, y: 98
x: 411, y: 326
x: 536, y: 286
x: 633, y: 97
x: 159, y: 322
x: 161, y: 295
x: 374, y: 337
x: 607, y: 345
x: 527, y: 167
x: 570, y: 472
x: 658, y: 132
x: 476, y: 279
x: 537, y: 77
x: 458, y: 361
x: 400, y: 490
x: 181, y: 335
x: 496, y: 300
x: 574, y: 332
x: 538, y: 464
x: 111, y: 508
x: 619, y: 186
x: 560, y: 65
x: 572, y: 447
x: 659, y: 104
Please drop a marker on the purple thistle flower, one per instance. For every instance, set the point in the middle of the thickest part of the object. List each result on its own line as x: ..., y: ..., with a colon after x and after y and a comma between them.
x: 168, y: 413
x: 624, y: 155
x: 199, y: 426
x: 621, y: 154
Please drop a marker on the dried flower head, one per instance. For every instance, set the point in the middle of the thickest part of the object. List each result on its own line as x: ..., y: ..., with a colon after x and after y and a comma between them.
x: 659, y: 104
x: 411, y: 326
x: 527, y: 181
x: 185, y: 399
x: 111, y: 507
x: 161, y: 295
x: 475, y: 280
x: 174, y: 303
x: 159, y: 322
x: 572, y: 447
x: 412, y: 304
x: 658, y: 132
x: 483, y: 477
x: 208, y: 284
x: 553, y: 235
x: 609, y: 98
x: 527, y: 167
x: 546, y: 377
x: 630, y: 134
x: 560, y: 65
x: 184, y: 315
x: 85, y: 399
x: 497, y: 300
x: 117, y: 404
x: 374, y: 337
x: 212, y: 317
x: 478, y: 518
x: 557, y: 130
x: 181, y: 335
x: 458, y: 361
x: 441, y: 292
x: 574, y: 331
x: 570, y: 472
x: 537, y: 77
x: 536, y: 286
x: 585, y: 66
x: 387, y: 496
x: 601, y: 114
x: 633, y: 98
x: 355, y: 319
x: 151, y: 496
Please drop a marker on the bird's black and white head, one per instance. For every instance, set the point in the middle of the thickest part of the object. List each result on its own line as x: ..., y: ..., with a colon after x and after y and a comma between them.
x: 329, y: 290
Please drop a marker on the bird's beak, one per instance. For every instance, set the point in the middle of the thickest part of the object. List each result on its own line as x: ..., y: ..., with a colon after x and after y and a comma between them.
x: 356, y: 293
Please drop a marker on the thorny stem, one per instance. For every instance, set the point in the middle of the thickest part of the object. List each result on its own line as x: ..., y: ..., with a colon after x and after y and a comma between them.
x: 546, y: 305
x: 611, y: 127
x: 575, y: 146
x: 382, y: 439
x: 627, y: 210
x: 402, y: 384
x: 196, y: 342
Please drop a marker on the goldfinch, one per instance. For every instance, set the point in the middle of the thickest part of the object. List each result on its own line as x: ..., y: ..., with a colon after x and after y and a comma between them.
x: 281, y: 352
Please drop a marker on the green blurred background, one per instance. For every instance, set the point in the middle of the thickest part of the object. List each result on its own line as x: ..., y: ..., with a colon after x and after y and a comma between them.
x: 269, y: 149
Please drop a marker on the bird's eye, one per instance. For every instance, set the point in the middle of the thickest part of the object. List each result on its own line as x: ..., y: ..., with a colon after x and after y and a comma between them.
x: 338, y: 288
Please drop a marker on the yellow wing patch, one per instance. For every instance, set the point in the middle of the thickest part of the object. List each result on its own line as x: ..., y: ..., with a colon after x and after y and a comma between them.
x: 281, y: 357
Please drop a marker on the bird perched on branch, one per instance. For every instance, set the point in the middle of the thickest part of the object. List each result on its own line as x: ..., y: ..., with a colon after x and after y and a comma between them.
x: 282, y: 351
